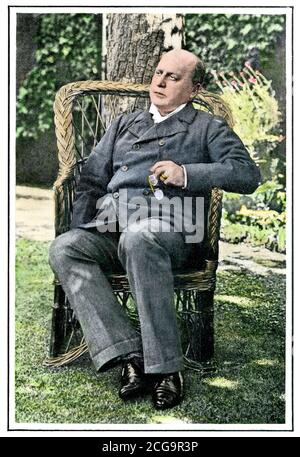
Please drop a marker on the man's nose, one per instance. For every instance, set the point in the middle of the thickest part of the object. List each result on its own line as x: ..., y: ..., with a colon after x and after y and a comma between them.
x: 161, y: 81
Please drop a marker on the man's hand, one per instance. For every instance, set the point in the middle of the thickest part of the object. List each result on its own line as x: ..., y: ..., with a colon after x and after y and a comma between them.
x: 169, y: 172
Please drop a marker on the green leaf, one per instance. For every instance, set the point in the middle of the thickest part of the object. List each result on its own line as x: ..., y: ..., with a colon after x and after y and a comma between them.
x: 230, y: 43
x: 66, y: 50
x: 62, y: 40
x: 246, y: 29
x: 19, y: 131
x: 22, y: 92
x: 274, y: 28
x: 54, y: 49
x: 23, y: 109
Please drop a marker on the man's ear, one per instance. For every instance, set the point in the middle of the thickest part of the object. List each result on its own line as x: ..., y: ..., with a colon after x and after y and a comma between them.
x: 196, y: 89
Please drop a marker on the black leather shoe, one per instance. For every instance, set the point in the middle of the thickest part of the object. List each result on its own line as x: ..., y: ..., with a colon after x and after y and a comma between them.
x: 168, y: 391
x: 132, y: 379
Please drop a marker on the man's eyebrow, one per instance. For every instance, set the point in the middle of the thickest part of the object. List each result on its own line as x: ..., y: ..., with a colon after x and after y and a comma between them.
x: 170, y: 72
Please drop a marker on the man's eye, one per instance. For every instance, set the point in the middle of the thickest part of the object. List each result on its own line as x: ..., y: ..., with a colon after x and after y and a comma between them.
x: 173, y: 77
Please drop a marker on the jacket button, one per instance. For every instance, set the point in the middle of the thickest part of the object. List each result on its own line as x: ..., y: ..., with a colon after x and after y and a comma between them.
x: 124, y: 168
x: 136, y: 146
x: 161, y: 142
x: 116, y: 195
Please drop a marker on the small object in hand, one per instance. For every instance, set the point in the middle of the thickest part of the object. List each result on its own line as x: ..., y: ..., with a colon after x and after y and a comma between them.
x: 163, y: 176
x: 153, y: 183
x: 153, y: 180
x: 158, y: 194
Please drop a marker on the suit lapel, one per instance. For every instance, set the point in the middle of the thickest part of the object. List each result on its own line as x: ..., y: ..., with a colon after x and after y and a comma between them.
x: 141, y: 125
x: 145, y: 130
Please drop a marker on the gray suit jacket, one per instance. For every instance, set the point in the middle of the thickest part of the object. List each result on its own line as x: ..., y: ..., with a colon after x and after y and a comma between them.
x: 212, y: 153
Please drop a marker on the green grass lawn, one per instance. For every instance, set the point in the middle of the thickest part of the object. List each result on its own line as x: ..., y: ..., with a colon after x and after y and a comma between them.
x: 247, y: 387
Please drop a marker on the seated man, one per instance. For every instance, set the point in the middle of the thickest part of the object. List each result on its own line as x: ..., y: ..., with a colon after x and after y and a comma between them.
x: 170, y: 151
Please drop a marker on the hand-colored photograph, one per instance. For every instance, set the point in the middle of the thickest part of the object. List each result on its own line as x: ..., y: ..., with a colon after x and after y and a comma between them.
x: 151, y: 170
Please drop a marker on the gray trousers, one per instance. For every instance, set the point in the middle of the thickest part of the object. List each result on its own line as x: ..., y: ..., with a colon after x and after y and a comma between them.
x: 80, y: 257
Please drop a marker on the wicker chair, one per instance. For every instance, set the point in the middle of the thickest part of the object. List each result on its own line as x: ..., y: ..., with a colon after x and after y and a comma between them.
x: 80, y: 123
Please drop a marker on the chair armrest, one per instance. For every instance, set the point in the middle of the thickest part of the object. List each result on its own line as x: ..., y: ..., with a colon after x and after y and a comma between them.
x: 214, y: 224
x: 63, y: 204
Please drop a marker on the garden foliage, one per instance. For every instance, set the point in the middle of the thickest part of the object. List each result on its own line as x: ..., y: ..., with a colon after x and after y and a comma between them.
x: 254, y: 108
x: 260, y: 217
x: 224, y: 41
x: 68, y: 49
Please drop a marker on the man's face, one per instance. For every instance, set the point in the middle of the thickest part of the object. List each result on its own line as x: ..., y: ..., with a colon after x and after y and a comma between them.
x: 171, y: 84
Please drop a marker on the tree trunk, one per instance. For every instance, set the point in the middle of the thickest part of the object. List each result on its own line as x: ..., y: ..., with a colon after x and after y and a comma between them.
x: 134, y: 43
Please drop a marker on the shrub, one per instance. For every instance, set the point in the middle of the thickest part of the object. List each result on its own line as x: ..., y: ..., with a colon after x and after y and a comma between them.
x: 260, y: 217
x: 255, y: 110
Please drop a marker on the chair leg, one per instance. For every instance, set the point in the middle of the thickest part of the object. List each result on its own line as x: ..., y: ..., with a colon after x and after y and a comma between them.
x: 201, y: 328
x: 58, y: 327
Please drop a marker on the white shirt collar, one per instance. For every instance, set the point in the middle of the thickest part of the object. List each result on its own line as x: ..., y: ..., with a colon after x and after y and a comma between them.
x: 157, y: 117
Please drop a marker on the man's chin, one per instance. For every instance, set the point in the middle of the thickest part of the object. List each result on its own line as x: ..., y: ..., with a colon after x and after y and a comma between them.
x: 163, y: 108
x: 158, y: 102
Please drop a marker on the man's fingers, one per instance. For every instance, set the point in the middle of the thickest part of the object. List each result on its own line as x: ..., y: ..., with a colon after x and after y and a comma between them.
x: 172, y: 172
x: 161, y: 163
x: 159, y: 170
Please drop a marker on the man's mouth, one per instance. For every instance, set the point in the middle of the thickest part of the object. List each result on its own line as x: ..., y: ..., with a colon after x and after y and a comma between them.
x: 159, y: 94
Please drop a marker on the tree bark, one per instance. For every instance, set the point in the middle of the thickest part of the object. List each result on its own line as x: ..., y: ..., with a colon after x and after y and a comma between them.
x: 134, y: 44
x: 136, y: 41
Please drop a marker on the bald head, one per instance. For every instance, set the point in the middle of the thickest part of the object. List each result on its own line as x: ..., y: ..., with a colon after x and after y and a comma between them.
x: 182, y: 54
x: 192, y: 62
